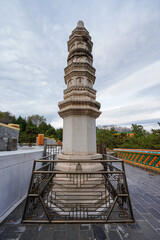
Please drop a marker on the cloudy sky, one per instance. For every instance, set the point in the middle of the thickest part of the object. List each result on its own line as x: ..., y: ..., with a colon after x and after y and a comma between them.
x: 126, y: 51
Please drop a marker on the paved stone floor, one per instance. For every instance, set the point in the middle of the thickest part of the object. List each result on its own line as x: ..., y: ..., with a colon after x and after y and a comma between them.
x: 144, y: 188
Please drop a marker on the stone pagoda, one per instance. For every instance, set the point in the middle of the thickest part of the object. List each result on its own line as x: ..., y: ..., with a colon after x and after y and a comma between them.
x: 79, y: 188
x: 79, y: 109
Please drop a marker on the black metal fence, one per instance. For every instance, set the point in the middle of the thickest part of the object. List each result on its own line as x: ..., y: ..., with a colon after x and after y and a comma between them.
x: 78, y: 196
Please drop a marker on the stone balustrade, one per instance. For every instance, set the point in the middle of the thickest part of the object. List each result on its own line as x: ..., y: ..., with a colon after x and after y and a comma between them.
x: 146, y: 159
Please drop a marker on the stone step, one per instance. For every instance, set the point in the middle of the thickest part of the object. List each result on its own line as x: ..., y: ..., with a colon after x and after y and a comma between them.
x: 79, y: 212
x: 78, y: 177
x: 73, y: 202
x: 60, y: 188
x: 79, y: 182
x: 75, y: 192
x: 70, y: 175
x: 80, y: 186
x: 62, y: 208
x: 86, y: 193
x: 75, y: 197
x: 53, y: 197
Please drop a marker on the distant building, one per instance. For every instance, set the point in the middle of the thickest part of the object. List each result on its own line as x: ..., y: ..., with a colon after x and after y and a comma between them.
x: 9, y: 135
x: 129, y: 134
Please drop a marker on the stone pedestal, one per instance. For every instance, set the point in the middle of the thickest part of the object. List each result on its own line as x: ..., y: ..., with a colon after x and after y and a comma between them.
x: 86, y: 167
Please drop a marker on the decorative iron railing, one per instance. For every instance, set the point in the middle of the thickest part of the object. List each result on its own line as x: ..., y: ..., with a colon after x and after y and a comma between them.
x: 50, y: 149
x: 78, y: 196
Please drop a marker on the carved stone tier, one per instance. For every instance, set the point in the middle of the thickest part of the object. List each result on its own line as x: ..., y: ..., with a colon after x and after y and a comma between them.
x: 79, y: 77
x: 76, y: 111
x: 80, y: 88
x: 80, y: 39
x: 79, y: 65
x: 79, y: 94
x: 79, y: 103
x: 80, y: 52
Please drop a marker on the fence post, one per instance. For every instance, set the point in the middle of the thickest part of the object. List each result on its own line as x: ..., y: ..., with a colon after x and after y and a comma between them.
x: 45, y: 148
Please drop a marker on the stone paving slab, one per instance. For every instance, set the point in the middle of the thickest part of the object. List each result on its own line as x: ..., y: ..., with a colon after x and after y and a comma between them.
x: 144, y: 188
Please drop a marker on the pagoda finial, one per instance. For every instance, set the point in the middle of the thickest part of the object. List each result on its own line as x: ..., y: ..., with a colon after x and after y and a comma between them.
x: 80, y: 24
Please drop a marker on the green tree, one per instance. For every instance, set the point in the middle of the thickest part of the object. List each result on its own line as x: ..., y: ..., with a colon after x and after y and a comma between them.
x: 59, y: 134
x: 106, y: 137
x: 43, y: 127
x: 7, y: 117
x: 31, y: 132
x: 155, y: 138
x: 22, y: 123
x: 36, y: 119
x: 23, y: 137
x: 51, y: 132
x: 156, y: 131
x: 138, y: 130
x: 121, y: 138
x: 113, y: 131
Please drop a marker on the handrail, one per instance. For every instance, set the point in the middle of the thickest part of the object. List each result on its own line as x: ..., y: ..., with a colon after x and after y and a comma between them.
x: 78, y: 196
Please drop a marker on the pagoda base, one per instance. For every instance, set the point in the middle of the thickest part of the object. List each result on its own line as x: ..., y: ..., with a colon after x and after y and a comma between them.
x: 78, y: 193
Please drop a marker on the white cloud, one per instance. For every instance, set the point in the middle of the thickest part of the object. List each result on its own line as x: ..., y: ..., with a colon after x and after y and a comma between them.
x: 57, y: 123
x: 120, y: 103
x: 125, y: 89
x: 33, y: 46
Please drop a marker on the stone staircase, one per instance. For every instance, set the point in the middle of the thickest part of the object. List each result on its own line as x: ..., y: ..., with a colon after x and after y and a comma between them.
x: 78, y: 194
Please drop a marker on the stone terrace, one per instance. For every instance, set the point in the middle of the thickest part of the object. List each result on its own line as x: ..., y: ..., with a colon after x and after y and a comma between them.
x: 144, y: 188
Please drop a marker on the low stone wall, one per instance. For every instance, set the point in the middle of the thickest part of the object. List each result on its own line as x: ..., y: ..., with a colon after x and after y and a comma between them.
x: 49, y: 141
x: 15, y: 174
x: 143, y: 158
